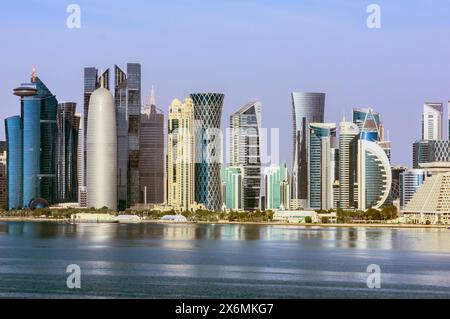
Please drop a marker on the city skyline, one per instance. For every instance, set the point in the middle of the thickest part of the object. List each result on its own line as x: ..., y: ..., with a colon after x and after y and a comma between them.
x: 355, y: 66
x: 192, y: 153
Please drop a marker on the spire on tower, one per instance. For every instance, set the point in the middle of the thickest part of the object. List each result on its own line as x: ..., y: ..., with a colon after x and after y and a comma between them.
x: 33, y: 74
x: 152, y: 97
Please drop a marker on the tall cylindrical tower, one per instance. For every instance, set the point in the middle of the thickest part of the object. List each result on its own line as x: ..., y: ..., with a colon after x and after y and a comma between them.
x: 101, y: 151
x: 306, y: 108
x: 208, y: 153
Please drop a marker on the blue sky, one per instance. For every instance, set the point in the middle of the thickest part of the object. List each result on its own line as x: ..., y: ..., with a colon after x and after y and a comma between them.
x: 245, y: 49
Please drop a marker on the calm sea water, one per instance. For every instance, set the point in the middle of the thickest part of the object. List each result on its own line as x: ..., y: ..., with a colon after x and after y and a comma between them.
x: 221, y: 261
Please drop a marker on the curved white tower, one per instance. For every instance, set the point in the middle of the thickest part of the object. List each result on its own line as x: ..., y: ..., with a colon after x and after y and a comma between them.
x: 101, y: 151
x: 374, y: 175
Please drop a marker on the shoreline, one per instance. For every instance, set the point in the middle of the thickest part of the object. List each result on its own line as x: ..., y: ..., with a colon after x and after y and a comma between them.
x: 345, y: 225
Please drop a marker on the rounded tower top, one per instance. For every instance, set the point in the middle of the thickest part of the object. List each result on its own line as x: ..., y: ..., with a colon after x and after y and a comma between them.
x: 25, y: 90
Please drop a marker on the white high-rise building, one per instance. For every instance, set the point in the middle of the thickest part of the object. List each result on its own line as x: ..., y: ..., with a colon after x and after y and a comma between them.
x: 374, y: 175
x: 181, y: 155
x: 348, y: 149
x: 101, y: 151
x: 432, y: 121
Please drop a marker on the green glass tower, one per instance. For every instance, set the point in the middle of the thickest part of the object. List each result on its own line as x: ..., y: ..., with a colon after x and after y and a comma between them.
x: 232, y: 187
x: 321, y: 166
x: 277, y: 187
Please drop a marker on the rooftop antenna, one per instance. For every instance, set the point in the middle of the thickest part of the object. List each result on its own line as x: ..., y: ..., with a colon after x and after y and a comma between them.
x: 152, y: 96
x: 33, y: 74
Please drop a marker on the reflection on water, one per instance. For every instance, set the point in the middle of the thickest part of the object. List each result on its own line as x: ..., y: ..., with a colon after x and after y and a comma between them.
x: 221, y: 260
x: 331, y: 237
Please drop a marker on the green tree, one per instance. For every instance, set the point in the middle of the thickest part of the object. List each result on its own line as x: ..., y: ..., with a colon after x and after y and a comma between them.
x: 389, y: 213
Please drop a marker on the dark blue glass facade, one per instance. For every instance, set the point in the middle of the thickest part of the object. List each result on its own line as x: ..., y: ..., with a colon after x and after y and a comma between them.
x: 368, y: 123
x: 31, y: 158
x: 67, y: 145
x: 306, y: 108
x: 48, y: 133
x: 38, y: 143
x: 127, y: 96
x: 13, y: 128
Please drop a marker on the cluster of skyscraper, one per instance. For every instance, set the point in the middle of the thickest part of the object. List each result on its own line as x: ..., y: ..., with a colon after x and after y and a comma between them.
x: 349, y: 171
x: 45, y: 145
x: 431, y: 154
x: 131, y: 159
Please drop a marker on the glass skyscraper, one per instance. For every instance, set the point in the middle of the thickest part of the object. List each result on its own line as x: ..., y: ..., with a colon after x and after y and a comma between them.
x: 348, y: 154
x: 306, y: 108
x: 368, y: 122
x: 208, y: 150
x: 68, y: 125
x: 374, y: 175
x: 410, y: 182
x: 13, y: 128
x: 321, y: 165
x: 127, y: 99
x: 245, y: 151
x: 233, y: 187
x: 152, y: 162
x: 395, y: 187
x: 277, y: 187
x: 38, y: 125
x: 3, y: 176
x: 428, y: 151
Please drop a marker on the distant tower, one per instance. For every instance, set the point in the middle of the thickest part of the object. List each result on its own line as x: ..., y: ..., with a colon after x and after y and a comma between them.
x: 92, y: 81
x: 3, y: 176
x: 432, y: 121
x: 410, y: 183
x: 245, y: 126
x: 368, y: 122
x: 13, y: 128
x: 152, y: 161
x: 306, y: 108
x: 208, y: 156
x: 277, y: 187
x: 181, y: 155
x: 127, y: 99
x: 348, y: 155
x: 37, y: 145
x: 233, y: 187
x: 102, y: 151
x: 374, y: 175
x: 321, y: 165
x: 68, y: 126
x: 80, y: 150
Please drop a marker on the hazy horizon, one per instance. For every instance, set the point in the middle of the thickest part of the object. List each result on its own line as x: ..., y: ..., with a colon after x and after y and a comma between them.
x: 245, y: 49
